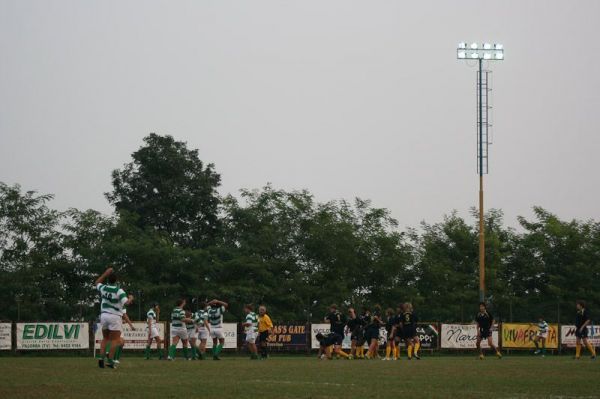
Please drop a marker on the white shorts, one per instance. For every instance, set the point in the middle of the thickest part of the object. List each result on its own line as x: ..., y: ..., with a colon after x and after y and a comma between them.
x: 251, y: 337
x: 203, y: 333
x: 542, y: 335
x: 153, y: 332
x: 191, y: 333
x: 111, y: 322
x: 217, y: 332
x: 179, y: 332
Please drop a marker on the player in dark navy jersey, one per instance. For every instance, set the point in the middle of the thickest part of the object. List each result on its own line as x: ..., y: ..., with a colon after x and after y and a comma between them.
x: 582, y: 320
x: 485, y: 322
x: 390, y: 345
x: 408, y: 322
x: 326, y: 342
x: 354, y: 327
x: 372, y: 332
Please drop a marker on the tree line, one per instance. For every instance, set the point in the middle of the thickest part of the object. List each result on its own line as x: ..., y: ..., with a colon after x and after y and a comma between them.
x: 172, y: 235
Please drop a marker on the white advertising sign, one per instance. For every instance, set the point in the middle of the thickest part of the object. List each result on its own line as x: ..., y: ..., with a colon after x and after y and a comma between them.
x: 464, y: 336
x: 568, y: 339
x: 5, y: 336
x: 58, y: 335
x: 134, y: 339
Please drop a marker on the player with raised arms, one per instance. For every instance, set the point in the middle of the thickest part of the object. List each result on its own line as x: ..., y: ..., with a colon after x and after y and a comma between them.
x: 203, y: 328
x: 251, y: 328
x: 113, y: 301
x: 215, y: 318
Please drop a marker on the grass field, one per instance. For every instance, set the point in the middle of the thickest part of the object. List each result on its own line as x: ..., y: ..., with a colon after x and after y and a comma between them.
x: 302, y: 377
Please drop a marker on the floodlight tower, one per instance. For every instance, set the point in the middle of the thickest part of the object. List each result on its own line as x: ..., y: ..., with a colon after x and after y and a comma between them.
x: 481, y: 52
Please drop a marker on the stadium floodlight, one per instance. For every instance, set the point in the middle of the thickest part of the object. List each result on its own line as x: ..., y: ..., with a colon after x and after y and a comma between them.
x: 481, y: 52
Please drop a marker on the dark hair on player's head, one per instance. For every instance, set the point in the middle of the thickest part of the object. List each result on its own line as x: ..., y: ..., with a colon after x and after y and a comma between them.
x: 249, y: 306
x: 113, y: 278
x: 483, y: 304
x: 154, y: 304
x: 319, y: 336
x: 333, y: 306
x: 581, y: 303
x: 180, y: 302
x: 389, y: 311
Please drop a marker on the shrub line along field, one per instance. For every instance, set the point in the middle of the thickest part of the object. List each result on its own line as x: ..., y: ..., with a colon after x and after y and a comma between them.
x: 303, y: 377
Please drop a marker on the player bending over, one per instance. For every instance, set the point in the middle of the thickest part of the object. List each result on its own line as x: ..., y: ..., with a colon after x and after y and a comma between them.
x: 178, y: 330
x: 152, y: 328
x: 582, y: 320
x: 215, y: 318
x: 540, y: 336
x: 114, y: 300
x: 251, y: 328
x: 326, y: 342
x: 485, y: 321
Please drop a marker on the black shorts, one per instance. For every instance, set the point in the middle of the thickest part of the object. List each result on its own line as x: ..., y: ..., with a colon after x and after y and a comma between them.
x: 485, y: 333
x: 357, y: 335
x: 338, y: 339
x: 581, y: 334
x: 263, y: 336
x: 371, y: 333
x: 409, y: 332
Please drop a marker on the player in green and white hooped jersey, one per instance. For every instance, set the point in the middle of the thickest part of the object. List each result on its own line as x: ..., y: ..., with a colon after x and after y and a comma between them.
x: 192, y: 334
x: 541, y: 335
x: 178, y: 330
x: 113, y: 301
x: 215, y: 318
x: 201, y: 321
x: 121, y: 344
x: 251, y: 328
x: 151, y: 319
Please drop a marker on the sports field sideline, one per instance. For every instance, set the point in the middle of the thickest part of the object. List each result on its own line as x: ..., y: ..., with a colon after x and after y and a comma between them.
x: 303, y: 377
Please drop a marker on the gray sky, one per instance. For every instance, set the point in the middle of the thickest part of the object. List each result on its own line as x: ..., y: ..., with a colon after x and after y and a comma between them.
x: 344, y: 98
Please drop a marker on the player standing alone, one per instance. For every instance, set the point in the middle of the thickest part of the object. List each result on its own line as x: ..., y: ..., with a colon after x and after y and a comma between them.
x: 485, y: 321
x: 152, y: 318
x: 265, y: 327
x: 582, y: 320
x: 541, y: 335
x: 114, y: 300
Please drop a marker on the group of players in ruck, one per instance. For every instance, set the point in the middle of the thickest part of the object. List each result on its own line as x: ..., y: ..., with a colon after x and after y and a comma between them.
x: 364, y: 328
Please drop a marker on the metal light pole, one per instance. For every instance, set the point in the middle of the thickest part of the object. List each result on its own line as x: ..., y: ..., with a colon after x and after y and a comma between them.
x: 480, y: 52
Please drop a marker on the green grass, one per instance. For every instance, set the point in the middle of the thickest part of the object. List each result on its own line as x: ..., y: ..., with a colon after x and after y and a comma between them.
x: 301, y: 377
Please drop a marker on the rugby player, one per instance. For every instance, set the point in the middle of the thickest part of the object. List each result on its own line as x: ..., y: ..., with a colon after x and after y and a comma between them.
x: 409, y: 332
x: 373, y: 324
x: 337, y: 320
x: 192, y: 334
x: 201, y: 321
x: 151, y: 319
x: 114, y: 299
x: 326, y: 342
x: 251, y: 328
x: 582, y: 320
x: 541, y: 335
x: 178, y: 330
x: 354, y: 326
x: 485, y: 322
x: 215, y: 318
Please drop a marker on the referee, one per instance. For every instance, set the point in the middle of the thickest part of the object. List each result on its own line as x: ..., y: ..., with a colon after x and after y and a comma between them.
x: 265, y: 328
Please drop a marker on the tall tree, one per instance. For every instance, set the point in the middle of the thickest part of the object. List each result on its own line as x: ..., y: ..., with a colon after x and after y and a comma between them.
x: 170, y: 190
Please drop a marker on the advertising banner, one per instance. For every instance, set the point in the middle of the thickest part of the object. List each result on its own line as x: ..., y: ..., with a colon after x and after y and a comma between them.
x: 58, y: 335
x: 464, y: 336
x: 5, y: 336
x: 230, y: 333
x: 428, y: 335
x: 288, y: 336
x: 134, y: 339
x: 568, y: 339
x: 520, y: 335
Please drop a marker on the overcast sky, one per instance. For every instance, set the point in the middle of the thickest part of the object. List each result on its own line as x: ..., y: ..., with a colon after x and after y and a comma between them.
x: 343, y: 98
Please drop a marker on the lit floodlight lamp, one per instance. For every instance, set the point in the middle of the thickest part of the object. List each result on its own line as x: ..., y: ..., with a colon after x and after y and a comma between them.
x: 462, y: 55
x: 462, y: 45
x: 499, y: 56
x: 498, y: 46
x: 487, y: 56
x: 474, y: 46
x: 485, y: 51
x: 487, y: 46
x: 474, y: 56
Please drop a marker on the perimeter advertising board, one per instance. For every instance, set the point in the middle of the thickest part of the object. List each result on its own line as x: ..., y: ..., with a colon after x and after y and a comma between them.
x: 57, y: 335
x: 464, y: 336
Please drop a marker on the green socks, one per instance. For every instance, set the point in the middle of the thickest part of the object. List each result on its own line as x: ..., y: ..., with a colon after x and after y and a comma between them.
x: 194, y: 352
x: 185, y: 352
x: 118, y: 352
x: 172, y: 350
x: 147, y: 352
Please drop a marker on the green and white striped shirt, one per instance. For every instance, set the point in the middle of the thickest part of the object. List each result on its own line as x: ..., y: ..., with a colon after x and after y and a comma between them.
x: 253, y: 319
x: 113, y: 299
x: 215, y: 316
x: 199, y: 318
x: 177, y: 316
x: 151, y: 316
